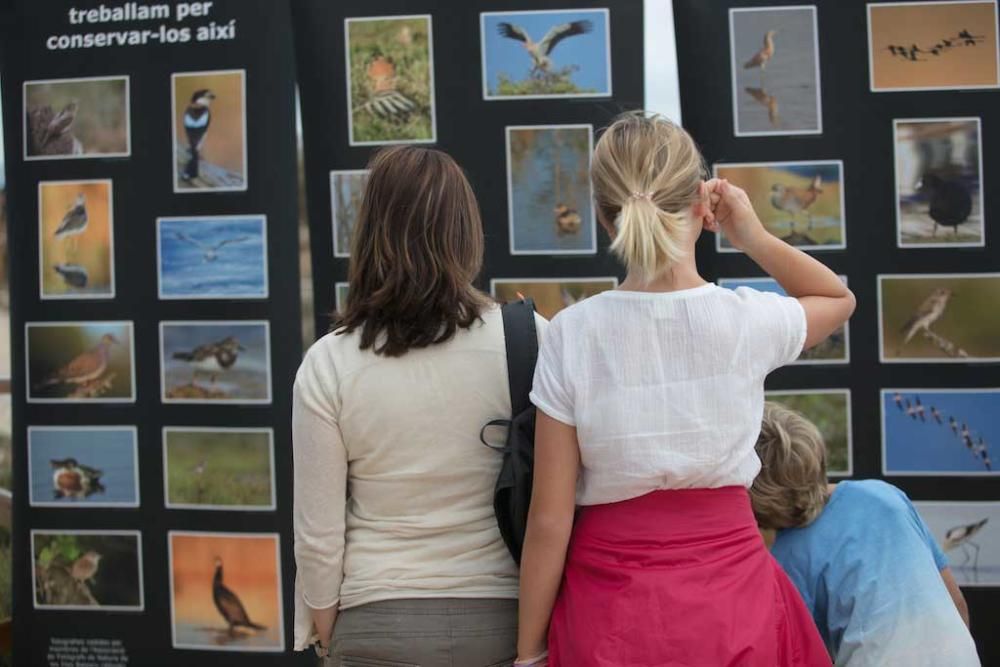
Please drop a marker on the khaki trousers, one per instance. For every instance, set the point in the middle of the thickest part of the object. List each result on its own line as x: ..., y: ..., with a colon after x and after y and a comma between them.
x: 447, y: 632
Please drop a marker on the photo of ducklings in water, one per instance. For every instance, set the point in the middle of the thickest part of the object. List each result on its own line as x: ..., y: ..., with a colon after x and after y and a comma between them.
x: 76, y: 240
x: 83, y: 466
x: 939, y: 183
x: 549, y: 197
x: 802, y: 203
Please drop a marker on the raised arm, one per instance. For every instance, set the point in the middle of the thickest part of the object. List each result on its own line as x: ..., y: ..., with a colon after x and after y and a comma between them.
x: 824, y: 297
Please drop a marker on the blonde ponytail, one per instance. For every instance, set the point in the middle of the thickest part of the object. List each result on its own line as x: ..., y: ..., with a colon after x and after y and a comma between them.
x: 647, y: 173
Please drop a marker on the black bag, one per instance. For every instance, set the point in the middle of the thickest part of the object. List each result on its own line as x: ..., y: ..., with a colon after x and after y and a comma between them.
x: 512, y: 495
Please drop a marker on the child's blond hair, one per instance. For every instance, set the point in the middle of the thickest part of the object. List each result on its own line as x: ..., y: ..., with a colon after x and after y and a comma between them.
x: 647, y: 173
x: 791, y: 489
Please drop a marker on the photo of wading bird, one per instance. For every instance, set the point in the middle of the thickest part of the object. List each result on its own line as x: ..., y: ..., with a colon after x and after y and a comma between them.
x: 961, y: 536
x: 541, y: 64
x: 212, y: 358
x: 769, y: 102
x: 949, y: 201
x: 794, y: 200
x: 74, y: 221
x: 229, y: 605
x: 762, y: 57
x: 71, y: 479
x: 84, y: 368
x: 197, y: 118
x: 210, y: 251
x: 929, y: 312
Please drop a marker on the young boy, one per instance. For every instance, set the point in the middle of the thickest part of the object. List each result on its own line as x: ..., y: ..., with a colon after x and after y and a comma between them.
x: 878, y: 585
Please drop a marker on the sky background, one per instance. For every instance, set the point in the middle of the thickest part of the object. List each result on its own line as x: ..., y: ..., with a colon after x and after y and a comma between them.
x: 915, y: 446
x: 588, y: 51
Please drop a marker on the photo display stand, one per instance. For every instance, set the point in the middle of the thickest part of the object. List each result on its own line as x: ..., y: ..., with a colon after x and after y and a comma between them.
x: 855, y: 170
x: 151, y: 184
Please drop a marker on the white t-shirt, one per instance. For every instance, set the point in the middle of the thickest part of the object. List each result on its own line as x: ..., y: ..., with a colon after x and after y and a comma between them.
x: 665, y: 389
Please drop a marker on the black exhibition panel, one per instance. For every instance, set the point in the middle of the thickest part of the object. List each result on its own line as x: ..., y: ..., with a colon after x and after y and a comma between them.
x: 248, y: 44
x: 857, y: 128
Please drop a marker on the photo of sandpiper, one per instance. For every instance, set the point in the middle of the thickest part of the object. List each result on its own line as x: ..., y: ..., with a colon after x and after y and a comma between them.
x: 76, y: 240
x: 215, y: 362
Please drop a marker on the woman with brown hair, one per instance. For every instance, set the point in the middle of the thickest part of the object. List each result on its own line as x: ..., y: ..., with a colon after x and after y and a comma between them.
x: 396, y: 543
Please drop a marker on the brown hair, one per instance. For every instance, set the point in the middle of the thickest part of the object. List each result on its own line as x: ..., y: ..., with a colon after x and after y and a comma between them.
x: 417, y: 247
x: 791, y: 489
x: 647, y: 172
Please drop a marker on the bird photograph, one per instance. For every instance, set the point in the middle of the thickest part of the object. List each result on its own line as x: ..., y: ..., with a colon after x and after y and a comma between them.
x: 219, y: 468
x: 933, y: 45
x: 833, y: 350
x: 347, y: 189
x: 801, y: 203
x: 549, y: 53
x: 939, y: 183
x: 76, y: 118
x: 209, y: 131
x: 93, y: 466
x: 87, y: 569
x: 225, y: 591
x: 957, y: 438
x: 830, y: 411
x: 774, y: 58
x: 213, y: 257
x: 968, y: 534
x: 939, y: 318
x: 550, y: 295
x: 551, y: 207
x: 64, y: 358
x: 215, y: 362
x: 75, y: 229
x: 390, y: 80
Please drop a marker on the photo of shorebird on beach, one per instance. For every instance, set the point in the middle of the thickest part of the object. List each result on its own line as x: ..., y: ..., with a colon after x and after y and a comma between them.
x: 774, y: 55
x: 969, y: 535
x: 939, y: 183
x: 76, y: 118
x: 802, y: 203
x: 550, y: 294
x: 215, y: 362
x: 83, y: 466
x: 548, y: 53
x: 939, y: 318
x: 87, y: 570
x: 80, y: 362
x: 933, y: 45
x: 76, y: 240
x: 225, y: 591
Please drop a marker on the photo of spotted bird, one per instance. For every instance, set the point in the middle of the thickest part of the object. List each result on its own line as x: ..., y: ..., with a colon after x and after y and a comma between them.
x: 197, y: 118
x: 929, y: 312
x: 62, y: 124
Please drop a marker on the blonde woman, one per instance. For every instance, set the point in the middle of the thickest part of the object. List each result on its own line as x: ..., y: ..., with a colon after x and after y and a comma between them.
x: 650, y: 400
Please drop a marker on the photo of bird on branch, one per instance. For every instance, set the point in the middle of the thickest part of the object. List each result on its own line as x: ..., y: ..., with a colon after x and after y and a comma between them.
x: 87, y: 570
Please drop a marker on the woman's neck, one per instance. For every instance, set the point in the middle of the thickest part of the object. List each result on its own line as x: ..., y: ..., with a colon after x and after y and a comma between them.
x: 681, y: 276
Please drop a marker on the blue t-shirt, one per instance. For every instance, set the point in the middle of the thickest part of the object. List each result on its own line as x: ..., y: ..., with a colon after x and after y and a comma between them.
x: 869, y: 570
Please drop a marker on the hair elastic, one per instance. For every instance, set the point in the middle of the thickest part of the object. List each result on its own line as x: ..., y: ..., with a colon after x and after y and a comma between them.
x: 648, y: 196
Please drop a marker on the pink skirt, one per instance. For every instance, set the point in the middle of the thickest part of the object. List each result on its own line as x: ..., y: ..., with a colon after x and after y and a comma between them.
x: 678, y: 578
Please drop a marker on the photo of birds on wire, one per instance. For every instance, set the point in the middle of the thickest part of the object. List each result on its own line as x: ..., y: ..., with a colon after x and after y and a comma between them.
x: 550, y: 294
x: 835, y: 349
x: 830, y: 410
x: 969, y: 534
x: 219, y: 468
x: 76, y: 118
x: 939, y: 318
x: 775, y: 71
x: 87, y: 570
x: 940, y: 431
x: 215, y: 362
x: 347, y: 191
x: 546, y: 54
x: 939, y: 183
x: 390, y: 80
x: 76, y: 240
x: 933, y: 45
x: 212, y: 257
x: 80, y: 362
x: 802, y: 203
x: 83, y: 466
x: 210, y: 133
x: 226, y: 591
x: 549, y: 196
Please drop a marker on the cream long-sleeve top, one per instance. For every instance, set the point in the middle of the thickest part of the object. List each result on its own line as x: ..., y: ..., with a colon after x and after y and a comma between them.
x: 393, y: 489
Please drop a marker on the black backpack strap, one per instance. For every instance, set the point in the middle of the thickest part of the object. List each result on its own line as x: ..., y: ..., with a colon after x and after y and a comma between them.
x: 521, y: 340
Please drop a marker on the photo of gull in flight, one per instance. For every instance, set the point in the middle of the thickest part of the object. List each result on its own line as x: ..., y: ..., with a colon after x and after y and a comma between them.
x: 210, y: 251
